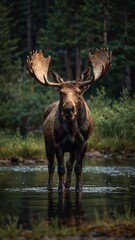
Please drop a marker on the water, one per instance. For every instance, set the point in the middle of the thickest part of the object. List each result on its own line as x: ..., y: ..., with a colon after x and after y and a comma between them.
x: 107, y: 185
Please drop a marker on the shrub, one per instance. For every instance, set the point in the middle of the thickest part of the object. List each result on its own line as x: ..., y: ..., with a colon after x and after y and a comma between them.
x: 113, y: 118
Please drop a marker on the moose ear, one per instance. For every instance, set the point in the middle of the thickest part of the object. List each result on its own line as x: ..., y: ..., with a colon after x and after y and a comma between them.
x: 55, y: 77
x: 85, y: 75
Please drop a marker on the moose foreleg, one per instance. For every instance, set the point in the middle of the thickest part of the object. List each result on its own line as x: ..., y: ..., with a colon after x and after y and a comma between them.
x: 78, y: 165
x: 61, y: 168
x: 69, y: 166
x: 50, y: 156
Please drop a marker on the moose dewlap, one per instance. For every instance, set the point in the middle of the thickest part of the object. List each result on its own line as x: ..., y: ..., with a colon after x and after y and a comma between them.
x: 68, y: 123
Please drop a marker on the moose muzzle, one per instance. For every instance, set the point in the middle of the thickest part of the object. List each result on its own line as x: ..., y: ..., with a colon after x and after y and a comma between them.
x: 68, y: 111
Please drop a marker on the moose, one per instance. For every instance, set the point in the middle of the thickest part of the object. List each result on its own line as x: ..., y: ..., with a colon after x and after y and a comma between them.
x: 68, y: 122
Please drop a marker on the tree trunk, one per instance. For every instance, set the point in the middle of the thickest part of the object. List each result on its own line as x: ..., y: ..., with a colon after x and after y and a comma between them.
x: 29, y: 40
x: 127, y: 67
x: 128, y: 78
x: 68, y: 60
x: 105, y: 24
x: 78, y: 61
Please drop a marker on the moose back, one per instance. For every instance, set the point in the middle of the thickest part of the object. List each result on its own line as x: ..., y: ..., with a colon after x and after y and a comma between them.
x: 68, y: 123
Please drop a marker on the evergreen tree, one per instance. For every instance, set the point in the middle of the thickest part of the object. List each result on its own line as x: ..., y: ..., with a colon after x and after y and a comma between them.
x: 8, y: 45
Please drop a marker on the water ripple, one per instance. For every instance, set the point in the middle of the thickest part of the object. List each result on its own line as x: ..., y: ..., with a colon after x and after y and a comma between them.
x: 111, y: 170
x: 86, y: 189
x: 24, y: 169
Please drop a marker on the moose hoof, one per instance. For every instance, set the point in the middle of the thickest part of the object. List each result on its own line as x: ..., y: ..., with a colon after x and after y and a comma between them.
x: 49, y: 188
x: 61, y: 188
x: 67, y: 186
x: 78, y: 188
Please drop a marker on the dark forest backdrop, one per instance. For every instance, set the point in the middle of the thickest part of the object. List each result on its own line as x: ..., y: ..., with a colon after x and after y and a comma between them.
x: 68, y: 31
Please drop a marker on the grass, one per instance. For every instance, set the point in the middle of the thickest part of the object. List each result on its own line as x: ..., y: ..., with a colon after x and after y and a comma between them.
x: 15, y: 146
x: 117, y: 225
x: 10, y: 229
x: 111, y: 144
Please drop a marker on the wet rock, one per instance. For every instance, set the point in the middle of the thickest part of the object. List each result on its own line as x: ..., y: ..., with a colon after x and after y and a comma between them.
x: 14, y: 160
x: 95, y: 154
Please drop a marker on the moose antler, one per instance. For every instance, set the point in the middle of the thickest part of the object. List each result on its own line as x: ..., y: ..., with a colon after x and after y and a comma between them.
x: 101, y: 62
x: 38, y: 66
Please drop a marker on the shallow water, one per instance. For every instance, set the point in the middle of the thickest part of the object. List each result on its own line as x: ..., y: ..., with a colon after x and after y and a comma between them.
x: 107, y: 185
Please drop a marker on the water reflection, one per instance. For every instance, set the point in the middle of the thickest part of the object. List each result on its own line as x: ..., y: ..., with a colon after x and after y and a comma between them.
x: 67, y: 211
x: 106, y: 185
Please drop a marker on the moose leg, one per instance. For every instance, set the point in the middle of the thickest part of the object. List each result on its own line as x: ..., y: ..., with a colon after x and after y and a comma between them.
x: 61, y: 168
x: 69, y: 165
x: 78, y: 165
x: 50, y: 156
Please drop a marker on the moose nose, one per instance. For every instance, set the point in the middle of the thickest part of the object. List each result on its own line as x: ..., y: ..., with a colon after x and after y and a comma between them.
x: 68, y: 109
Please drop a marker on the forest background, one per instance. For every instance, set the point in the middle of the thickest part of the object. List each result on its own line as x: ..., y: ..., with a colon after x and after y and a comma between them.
x: 68, y: 31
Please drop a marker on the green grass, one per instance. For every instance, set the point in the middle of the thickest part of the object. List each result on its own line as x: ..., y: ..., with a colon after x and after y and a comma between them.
x: 10, y: 229
x: 111, y: 144
x: 116, y: 225
x: 15, y: 146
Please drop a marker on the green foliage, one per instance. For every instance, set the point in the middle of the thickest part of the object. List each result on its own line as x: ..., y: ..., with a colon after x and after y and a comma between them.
x: 114, y: 125
x: 15, y: 146
x: 114, y: 121
x: 8, y: 49
x: 114, y: 118
x: 25, y: 105
x: 111, y: 224
x: 106, y: 217
x: 10, y: 230
x: 63, y: 28
x: 42, y: 227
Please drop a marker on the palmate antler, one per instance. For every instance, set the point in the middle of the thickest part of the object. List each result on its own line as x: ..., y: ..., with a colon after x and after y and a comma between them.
x: 38, y: 66
x: 101, y: 61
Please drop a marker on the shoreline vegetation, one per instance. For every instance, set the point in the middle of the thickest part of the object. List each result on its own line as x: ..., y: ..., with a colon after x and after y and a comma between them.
x: 113, y: 133
x: 16, y: 149
x: 118, y: 226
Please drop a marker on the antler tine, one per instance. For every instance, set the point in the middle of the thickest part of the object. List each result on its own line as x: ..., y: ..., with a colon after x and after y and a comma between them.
x: 101, y: 62
x: 38, y: 66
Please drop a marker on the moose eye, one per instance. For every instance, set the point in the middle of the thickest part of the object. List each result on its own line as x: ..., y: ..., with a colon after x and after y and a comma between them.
x: 78, y: 91
x: 62, y: 93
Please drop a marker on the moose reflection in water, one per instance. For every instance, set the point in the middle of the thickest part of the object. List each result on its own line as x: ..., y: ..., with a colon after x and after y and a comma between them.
x: 68, y: 122
x: 68, y: 212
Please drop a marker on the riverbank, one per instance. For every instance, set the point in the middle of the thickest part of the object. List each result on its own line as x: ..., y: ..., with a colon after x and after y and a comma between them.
x: 41, y: 231
x: 93, y: 155
x: 15, y: 148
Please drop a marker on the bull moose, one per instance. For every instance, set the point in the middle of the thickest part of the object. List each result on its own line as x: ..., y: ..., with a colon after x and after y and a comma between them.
x: 68, y: 123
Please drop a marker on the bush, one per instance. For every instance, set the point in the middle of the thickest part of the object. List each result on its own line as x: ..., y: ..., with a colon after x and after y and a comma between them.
x: 25, y: 105
x: 114, y: 121
x: 15, y: 146
x: 113, y: 118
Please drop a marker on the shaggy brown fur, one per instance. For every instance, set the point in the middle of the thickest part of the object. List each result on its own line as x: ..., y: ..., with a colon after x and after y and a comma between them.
x: 67, y: 133
x: 68, y: 122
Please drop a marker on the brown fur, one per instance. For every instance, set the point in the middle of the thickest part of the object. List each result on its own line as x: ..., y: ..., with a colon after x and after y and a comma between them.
x: 68, y: 122
x: 67, y: 134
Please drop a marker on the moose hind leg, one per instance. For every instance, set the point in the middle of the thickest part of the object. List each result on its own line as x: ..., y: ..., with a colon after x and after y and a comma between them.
x: 50, y: 156
x: 69, y: 166
x: 78, y: 165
